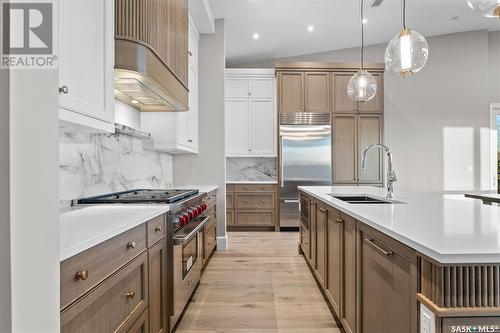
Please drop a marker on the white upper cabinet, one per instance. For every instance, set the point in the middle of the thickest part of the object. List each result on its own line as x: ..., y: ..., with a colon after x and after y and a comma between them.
x: 250, y: 112
x: 86, y: 61
x: 177, y: 132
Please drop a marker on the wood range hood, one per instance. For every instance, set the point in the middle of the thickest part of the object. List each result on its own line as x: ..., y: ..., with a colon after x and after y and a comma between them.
x: 151, y: 54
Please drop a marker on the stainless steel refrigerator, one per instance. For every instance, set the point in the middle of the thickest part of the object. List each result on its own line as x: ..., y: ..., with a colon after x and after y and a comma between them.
x: 305, y: 159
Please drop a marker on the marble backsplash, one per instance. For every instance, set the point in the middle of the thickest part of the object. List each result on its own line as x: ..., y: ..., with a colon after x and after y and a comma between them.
x: 92, y: 164
x: 251, y: 169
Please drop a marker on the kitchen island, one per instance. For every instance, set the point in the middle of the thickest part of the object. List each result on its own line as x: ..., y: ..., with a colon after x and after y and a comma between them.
x: 418, y: 262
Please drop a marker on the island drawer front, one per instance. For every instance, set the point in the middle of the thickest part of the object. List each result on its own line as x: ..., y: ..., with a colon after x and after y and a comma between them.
x: 254, y: 201
x: 210, y: 198
x: 254, y: 218
x: 254, y: 188
x: 156, y: 229
x: 229, y: 200
x: 114, y: 305
x: 85, y: 270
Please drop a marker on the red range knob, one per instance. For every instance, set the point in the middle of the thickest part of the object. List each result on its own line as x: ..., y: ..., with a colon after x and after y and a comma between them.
x: 199, y: 209
x: 190, y: 215
x: 183, y: 220
x: 204, y: 206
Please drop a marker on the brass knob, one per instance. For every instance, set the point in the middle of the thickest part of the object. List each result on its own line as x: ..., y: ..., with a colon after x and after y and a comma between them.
x: 158, y: 228
x: 82, y: 275
x: 130, y: 295
x: 64, y: 90
x: 340, y: 220
x: 131, y: 245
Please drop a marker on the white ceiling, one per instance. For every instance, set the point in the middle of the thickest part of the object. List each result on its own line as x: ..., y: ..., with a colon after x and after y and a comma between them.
x: 282, y: 24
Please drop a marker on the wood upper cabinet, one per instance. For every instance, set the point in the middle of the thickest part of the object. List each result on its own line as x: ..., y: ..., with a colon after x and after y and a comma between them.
x: 321, y: 242
x: 291, y: 91
x: 387, y: 285
x: 86, y: 83
x: 316, y: 92
x: 345, y: 151
x: 334, y: 258
x: 342, y: 103
x: 158, y: 313
x: 370, y: 132
x: 348, y: 273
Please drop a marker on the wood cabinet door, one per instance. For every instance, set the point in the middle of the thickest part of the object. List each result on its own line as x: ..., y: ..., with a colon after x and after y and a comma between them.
x: 342, y: 103
x: 321, y: 230
x: 141, y: 324
x: 177, y: 35
x: 88, y: 75
x: 158, y: 314
x: 334, y: 258
x: 261, y: 126
x: 345, y: 149
x: 312, y: 226
x: 348, y: 305
x: 386, y: 295
x: 370, y: 132
x: 376, y: 105
x: 237, y: 127
x: 261, y: 87
x: 291, y: 92
x: 316, y: 92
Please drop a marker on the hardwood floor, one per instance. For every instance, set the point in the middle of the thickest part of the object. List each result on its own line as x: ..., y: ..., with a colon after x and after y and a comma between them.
x: 260, y: 285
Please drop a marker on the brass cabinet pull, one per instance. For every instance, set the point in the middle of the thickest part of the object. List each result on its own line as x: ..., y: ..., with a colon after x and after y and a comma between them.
x: 371, y: 241
x: 64, y: 89
x: 158, y: 228
x: 340, y: 220
x: 322, y: 210
x: 131, y: 245
x: 82, y: 275
x: 130, y: 295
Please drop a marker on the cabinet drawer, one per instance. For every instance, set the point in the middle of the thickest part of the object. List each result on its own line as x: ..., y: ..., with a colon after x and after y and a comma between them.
x: 210, y: 198
x: 254, y: 201
x: 114, y: 305
x: 84, y: 271
x: 229, y: 200
x: 230, y: 218
x: 257, y: 218
x: 210, y: 240
x: 156, y: 229
x: 254, y: 187
x: 141, y: 324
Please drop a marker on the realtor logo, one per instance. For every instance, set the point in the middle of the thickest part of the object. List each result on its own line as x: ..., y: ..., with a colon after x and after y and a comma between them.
x: 28, y: 32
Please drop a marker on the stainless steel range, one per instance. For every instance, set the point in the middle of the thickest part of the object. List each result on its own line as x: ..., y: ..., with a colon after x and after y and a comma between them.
x: 184, y: 241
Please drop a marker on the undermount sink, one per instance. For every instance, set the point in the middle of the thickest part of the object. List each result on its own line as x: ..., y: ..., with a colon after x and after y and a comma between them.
x: 362, y: 199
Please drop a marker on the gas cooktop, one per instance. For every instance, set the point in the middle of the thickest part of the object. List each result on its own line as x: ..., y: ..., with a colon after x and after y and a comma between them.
x: 169, y: 196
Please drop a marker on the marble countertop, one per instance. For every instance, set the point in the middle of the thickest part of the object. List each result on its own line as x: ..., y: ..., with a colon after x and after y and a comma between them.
x: 251, y: 182
x: 83, y: 227
x: 448, y: 228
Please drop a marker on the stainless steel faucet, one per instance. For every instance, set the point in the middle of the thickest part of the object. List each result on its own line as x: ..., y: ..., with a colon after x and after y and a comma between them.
x: 391, y: 174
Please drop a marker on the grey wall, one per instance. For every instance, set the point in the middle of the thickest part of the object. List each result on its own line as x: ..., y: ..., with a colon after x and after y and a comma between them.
x: 34, y: 178
x: 436, y: 121
x: 5, y: 296
x: 208, y: 167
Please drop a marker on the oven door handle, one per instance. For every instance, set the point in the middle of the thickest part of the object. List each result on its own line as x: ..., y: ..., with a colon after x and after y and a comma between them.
x: 181, y: 240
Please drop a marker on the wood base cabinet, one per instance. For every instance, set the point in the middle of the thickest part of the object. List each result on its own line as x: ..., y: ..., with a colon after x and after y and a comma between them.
x: 321, y: 239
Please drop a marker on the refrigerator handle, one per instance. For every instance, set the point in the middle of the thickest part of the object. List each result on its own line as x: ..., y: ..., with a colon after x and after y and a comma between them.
x: 281, y: 162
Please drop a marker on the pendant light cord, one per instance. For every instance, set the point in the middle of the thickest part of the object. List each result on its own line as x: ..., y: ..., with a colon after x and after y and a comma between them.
x: 404, y: 14
x: 362, y: 36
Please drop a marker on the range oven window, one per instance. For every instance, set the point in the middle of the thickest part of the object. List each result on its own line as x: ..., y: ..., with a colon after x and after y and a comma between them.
x: 189, y: 255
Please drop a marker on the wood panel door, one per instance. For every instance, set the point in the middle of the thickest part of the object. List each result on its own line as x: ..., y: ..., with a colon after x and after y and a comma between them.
x: 369, y: 130
x: 387, y: 300
x: 342, y: 103
x: 348, y: 305
x: 334, y: 258
x: 345, y: 149
x: 313, y: 222
x: 261, y: 126
x: 237, y: 127
x: 321, y: 230
x: 158, y: 313
x: 291, y: 91
x: 316, y: 92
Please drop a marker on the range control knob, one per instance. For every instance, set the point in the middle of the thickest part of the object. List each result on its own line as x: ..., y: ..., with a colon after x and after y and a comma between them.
x: 183, y: 219
x: 199, y: 209
x: 204, y: 206
x: 190, y: 214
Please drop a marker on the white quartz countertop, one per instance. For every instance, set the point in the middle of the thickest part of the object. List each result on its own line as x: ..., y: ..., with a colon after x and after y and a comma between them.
x: 251, y: 182
x: 446, y: 227
x: 81, y: 228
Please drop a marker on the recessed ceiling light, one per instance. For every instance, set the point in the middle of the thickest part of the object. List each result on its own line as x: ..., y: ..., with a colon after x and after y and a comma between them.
x: 134, y: 101
x: 365, y: 21
x: 255, y: 36
x: 310, y: 28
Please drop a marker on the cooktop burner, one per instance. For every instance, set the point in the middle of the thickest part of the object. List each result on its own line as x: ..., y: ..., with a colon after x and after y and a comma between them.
x: 141, y: 196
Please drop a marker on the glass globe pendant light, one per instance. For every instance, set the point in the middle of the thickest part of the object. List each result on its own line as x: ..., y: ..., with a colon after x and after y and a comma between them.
x: 407, y: 52
x: 487, y: 8
x: 362, y: 86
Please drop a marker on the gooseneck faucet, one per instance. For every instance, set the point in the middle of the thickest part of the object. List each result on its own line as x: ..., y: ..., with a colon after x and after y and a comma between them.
x: 391, y: 174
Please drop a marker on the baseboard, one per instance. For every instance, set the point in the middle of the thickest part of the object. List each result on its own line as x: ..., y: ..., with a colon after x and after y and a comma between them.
x: 222, y: 243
